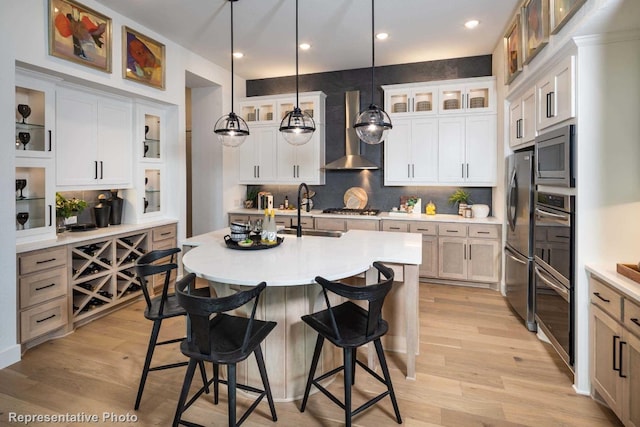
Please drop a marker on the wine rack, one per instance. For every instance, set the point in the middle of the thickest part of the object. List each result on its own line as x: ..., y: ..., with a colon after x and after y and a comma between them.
x: 103, y: 273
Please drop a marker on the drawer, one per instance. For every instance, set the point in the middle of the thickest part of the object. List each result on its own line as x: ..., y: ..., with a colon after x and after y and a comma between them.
x: 41, y: 260
x: 424, y: 228
x: 362, y: 224
x: 402, y: 226
x: 164, y: 232
x: 164, y: 244
x: 331, y: 224
x: 305, y: 221
x: 285, y: 221
x: 454, y: 230
x: 606, y: 298
x: 43, y: 318
x: 43, y: 286
x: 484, y: 231
x: 632, y: 316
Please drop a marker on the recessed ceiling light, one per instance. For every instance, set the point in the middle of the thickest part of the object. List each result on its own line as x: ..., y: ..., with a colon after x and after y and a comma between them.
x: 382, y: 36
x: 305, y: 46
x: 238, y: 54
x: 471, y: 23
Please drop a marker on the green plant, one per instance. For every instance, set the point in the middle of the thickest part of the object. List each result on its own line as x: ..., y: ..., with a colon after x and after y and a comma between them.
x: 68, y: 207
x: 252, y: 193
x: 460, y: 196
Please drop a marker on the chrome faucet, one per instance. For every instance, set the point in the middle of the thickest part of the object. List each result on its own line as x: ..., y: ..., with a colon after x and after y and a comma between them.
x: 299, y: 228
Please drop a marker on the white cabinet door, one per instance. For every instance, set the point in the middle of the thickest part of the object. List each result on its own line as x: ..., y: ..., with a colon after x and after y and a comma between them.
x: 38, y: 94
x: 556, y: 94
x: 258, y: 156
x: 411, y: 152
x: 451, y: 156
x: 515, y: 123
x: 480, y: 150
x: 302, y: 163
x: 76, y: 141
x: 397, y: 153
x: 407, y: 101
x: 115, y: 136
x: 477, y: 97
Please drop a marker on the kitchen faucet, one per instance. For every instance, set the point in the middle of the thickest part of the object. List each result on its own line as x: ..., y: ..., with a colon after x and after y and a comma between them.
x: 299, y: 228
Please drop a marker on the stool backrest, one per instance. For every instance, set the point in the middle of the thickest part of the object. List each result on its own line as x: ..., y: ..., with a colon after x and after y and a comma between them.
x: 145, y: 269
x: 199, y: 310
x: 373, y: 294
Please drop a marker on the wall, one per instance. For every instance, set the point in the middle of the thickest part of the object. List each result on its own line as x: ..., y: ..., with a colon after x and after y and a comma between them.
x: 30, y: 50
x: 334, y: 85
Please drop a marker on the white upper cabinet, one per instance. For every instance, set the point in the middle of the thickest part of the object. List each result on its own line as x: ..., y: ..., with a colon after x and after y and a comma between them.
x: 258, y: 111
x: 556, y: 94
x: 301, y: 163
x: 94, y: 140
x: 411, y: 152
x: 468, y: 97
x: 522, y: 119
x: 409, y: 100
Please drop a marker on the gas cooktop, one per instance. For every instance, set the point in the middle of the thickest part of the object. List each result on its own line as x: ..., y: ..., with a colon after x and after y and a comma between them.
x: 347, y: 211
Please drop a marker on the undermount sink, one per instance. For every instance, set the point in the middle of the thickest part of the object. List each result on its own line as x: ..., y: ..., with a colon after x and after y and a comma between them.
x: 305, y: 232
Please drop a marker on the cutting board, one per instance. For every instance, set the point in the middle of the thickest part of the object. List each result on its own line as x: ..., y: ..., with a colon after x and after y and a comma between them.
x: 356, y: 198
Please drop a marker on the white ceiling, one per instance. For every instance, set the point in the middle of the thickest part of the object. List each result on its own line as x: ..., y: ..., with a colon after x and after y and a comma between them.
x: 338, y: 30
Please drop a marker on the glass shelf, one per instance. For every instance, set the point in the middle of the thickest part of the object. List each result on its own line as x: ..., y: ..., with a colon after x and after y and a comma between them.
x: 29, y: 199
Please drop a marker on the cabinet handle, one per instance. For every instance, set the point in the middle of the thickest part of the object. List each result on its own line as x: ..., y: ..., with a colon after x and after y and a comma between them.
x: 462, y: 170
x: 483, y: 232
x: 45, y: 287
x: 469, y: 252
x: 620, y: 344
x: 635, y: 320
x: 413, y: 170
x: 165, y: 234
x: 519, y: 129
x: 394, y: 228
x: 95, y: 169
x: 465, y: 251
x: 258, y: 171
x: 46, y: 261
x: 552, y: 106
x: 408, y: 170
x: 50, y: 216
x: 294, y: 171
x: 46, y: 318
x: 615, y: 347
x: 49, y: 140
x: 467, y: 170
x: 298, y: 168
x: 101, y: 170
x: 452, y: 231
x: 602, y: 298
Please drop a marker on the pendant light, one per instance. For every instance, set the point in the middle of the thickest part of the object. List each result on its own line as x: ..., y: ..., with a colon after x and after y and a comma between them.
x: 373, y: 124
x: 231, y: 129
x: 297, y: 127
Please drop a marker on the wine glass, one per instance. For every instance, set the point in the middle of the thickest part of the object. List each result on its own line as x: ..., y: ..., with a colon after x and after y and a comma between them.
x: 146, y: 205
x: 146, y: 148
x: 146, y: 130
x: 22, y: 218
x: 20, y: 185
x: 24, y: 138
x: 24, y: 110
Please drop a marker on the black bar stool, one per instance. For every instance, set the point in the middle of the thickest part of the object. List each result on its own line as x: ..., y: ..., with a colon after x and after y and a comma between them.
x: 222, y: 339
x: 350, y: 326
x: 159, y: 308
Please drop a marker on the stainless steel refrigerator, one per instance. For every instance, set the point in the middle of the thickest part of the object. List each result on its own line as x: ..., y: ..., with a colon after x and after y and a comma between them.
x: 519, y: 245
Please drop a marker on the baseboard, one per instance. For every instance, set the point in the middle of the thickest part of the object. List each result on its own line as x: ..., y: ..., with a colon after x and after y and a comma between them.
x: 9, y: 356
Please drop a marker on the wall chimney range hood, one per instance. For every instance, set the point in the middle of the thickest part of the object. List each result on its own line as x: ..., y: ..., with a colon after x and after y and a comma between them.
x: 352, y: 159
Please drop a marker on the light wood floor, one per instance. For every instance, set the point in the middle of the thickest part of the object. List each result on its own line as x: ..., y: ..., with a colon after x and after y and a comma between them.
x: 478, y: 366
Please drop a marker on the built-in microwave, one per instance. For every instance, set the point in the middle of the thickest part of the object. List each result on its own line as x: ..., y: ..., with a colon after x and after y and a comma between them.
x: 556, y: 158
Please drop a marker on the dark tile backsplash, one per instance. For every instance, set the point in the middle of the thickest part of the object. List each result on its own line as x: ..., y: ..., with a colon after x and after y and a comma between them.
x: 334, y: 85
x: 89, y: 196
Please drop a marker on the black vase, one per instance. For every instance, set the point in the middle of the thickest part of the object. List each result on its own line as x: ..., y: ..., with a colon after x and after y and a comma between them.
x: 101, y: 212
x: 116, y: 203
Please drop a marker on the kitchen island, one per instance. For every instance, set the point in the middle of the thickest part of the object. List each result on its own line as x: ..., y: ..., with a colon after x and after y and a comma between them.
x: 289, y: 270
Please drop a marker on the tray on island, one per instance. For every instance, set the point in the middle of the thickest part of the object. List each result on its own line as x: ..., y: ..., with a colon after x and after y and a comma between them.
x: 256, y: 245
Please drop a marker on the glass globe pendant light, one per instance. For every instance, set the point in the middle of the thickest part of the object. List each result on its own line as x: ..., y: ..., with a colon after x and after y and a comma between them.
x: 297, y: 127
x: 373, y: 123
x: 231, y: 129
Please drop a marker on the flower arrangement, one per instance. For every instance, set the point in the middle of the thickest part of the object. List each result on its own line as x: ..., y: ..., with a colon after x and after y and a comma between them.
x: 68, y: 207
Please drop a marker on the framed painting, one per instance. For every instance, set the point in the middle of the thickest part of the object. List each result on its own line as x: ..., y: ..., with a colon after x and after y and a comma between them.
x: 513, y: 50
x: 143, y: 59
x: 536, y: 27
x: 79, y: 34
x: 562, y: 11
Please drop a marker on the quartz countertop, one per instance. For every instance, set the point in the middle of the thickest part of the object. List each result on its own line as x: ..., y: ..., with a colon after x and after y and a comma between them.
x: 75, y: 237
x: 298, y: 260
x: 317, y: 213
x: 608, y: 274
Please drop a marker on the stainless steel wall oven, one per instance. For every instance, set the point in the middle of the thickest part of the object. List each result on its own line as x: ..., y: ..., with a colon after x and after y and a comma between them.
x: 554, y: 248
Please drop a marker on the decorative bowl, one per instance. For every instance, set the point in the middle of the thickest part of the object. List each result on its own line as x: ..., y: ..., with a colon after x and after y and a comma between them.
x: 480, y: 211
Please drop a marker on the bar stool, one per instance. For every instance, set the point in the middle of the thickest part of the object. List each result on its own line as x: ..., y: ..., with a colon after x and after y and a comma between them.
x: 350, y: 326
x: 159, y: 308
x: 222, y: 339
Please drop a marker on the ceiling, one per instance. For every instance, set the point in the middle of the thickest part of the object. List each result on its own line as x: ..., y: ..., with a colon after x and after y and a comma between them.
x: 339, y: 31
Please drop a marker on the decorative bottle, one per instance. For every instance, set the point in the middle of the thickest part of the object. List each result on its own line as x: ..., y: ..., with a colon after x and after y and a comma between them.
x: 264, y: 235
x: 272, y: 227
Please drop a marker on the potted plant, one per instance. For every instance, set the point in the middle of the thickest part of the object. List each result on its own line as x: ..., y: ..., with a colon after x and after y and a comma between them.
x: 462, y: 198
x: 66, y: 208
x: 252, y: 194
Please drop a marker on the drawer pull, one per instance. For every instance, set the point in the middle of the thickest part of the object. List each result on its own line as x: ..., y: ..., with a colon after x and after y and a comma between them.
x: 394, y: 228
x: 46, y: 261
x: 46, y: 318
x: 599, y: 296
x: 635, y: 320
x: 165, y: 234
x: 484, y: 232
x: 452, y: 231
x: 45, y: 287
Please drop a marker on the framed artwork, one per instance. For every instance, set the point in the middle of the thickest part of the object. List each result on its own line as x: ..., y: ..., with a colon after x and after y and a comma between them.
x: 513, y: 49
x: 79, y: 34
x: 562, y: 11
x: 536, y: 27
x: 142, y: 59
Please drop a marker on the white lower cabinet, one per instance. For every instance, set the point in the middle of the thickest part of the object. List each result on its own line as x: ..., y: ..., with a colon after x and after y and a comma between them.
x: 469, y: 252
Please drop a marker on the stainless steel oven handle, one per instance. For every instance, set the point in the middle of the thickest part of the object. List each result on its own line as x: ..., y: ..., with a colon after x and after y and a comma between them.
x: 552, y: 215
x: 514, y: 258
x: 559, y: 288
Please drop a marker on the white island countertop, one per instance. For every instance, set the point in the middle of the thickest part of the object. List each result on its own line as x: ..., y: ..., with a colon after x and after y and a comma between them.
x: 298, y: 260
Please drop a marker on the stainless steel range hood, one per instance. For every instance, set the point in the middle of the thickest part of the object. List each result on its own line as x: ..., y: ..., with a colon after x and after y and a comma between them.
x: 352, y: 159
